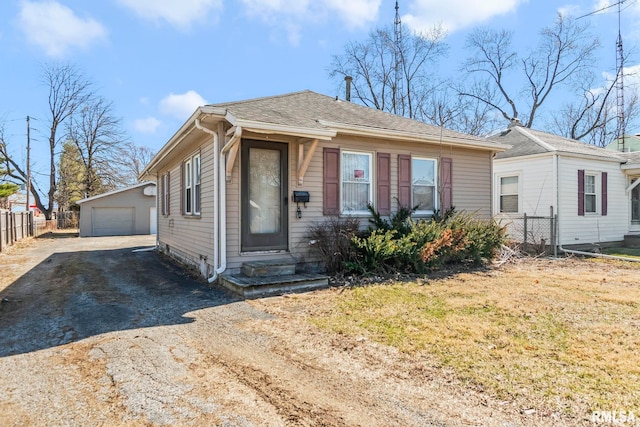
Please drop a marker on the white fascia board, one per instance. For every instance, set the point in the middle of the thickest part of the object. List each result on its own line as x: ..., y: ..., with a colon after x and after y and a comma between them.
x: 590, y: 157
x: 414, y: 137
x: 272, y: 128
x: 184, y: 130
x: 518, y: 159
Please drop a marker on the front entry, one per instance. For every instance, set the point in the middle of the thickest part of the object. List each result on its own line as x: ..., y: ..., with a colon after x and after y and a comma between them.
x: 264, y: 191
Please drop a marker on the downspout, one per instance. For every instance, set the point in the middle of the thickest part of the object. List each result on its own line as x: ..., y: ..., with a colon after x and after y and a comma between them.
x: 223, y: 201
x: 571, y: 251
x: 216, y: 199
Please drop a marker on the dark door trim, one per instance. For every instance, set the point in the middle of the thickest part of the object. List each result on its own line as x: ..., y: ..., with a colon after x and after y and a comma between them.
x: 278, y: 240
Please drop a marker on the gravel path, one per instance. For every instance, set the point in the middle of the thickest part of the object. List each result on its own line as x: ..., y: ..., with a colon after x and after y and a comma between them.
x: 94, y: 334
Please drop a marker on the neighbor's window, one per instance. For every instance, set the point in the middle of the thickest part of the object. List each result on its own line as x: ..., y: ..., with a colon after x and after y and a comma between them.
x: 509, y: 194
x: 165, y: 194
x: 423, y: 184
x: 191, y: 181
x: 590, y: 193
x: 356, y: 182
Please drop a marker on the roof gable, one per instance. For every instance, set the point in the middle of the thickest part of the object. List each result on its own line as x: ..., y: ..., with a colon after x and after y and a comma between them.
x: 526, y: 142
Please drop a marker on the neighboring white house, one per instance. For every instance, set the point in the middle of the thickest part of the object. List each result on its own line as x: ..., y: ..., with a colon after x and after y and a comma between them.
x: 122, y: 212
x: 595, y: 192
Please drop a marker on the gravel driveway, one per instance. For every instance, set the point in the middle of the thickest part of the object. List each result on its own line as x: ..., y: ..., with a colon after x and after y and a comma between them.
x: 93, y: 333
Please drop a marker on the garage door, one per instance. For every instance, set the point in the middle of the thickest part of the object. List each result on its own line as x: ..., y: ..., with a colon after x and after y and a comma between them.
x: 112, y: 221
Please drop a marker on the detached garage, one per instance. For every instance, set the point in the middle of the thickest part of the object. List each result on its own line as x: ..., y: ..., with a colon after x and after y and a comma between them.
x: 124, y: 212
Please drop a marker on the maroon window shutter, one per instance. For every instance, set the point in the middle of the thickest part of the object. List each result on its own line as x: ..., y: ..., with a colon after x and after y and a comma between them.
x: 604, y: 193
x: 581, y: 192
x: 182, y: 182
x: 168, y: 193
x: 404, y: 180
x: 331, y: 181
x: 447, y: 183
x: 383, y: 198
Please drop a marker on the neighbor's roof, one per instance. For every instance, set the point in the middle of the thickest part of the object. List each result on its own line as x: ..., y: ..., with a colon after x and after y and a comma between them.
x: 121, y: 190
x: 311, y: 110
x: 526, y: 142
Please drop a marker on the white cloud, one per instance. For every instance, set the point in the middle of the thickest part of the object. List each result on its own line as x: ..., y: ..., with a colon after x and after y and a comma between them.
x: 147, y: 125
x: 56, y: 28
x: 181, y: 106
x: 455, y: 14
x: 290, y: 16
x: 180, y: 14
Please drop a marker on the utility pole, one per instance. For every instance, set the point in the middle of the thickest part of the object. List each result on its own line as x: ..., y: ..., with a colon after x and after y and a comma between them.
x: 28, y: 161
x: 397, y: 39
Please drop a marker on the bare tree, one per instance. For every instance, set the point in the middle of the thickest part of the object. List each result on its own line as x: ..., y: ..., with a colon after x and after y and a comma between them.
x: 69, y: 90
x: 563, y: 59
x: 594, y: 117
x: 133, y: 159
x: 96, y: 133
x: 390, y: 73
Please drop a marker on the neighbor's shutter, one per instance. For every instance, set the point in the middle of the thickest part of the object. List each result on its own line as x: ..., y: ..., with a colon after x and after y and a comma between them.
x: 604, y: 193
x: 404, y: 180
x: 383, y: 171
x: 447, y: 183
x: 182, y: 183
x: 331, y: 181
x: 581, y: 192
x: 168, y: 193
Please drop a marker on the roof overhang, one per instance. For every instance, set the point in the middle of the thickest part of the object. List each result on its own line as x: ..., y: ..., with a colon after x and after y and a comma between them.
x: 272, y: 128
x: 181, y: 134
x: 395, y: 135
x: 121, y: 190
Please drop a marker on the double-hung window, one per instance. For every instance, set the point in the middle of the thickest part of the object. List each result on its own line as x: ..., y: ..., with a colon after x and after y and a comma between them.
x: 424, y: 184
x: 509, y: 202
x: 165, y: 194
x: 356, y: 182
x: 191, y: 180
x: 590, y: 197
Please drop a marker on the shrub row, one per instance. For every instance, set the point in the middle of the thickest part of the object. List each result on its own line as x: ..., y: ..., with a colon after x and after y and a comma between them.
x: 402, y: 244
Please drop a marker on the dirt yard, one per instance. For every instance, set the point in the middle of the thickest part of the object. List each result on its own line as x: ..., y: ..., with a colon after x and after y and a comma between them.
x: 95, y: 334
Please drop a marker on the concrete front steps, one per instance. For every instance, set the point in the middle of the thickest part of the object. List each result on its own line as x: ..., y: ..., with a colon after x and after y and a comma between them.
x: 273, y: 277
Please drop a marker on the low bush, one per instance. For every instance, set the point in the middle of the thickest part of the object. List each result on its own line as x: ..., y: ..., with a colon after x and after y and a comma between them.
x: 331, y: 241
x: 404, y: 245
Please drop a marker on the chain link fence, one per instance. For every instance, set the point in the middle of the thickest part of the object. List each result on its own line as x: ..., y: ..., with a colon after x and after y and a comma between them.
x: 533, y: 234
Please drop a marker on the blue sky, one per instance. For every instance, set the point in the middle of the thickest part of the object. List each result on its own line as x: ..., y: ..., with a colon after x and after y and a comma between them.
x: 159, y: 59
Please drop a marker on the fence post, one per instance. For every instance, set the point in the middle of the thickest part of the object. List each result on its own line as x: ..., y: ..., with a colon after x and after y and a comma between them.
x: 524, y: 241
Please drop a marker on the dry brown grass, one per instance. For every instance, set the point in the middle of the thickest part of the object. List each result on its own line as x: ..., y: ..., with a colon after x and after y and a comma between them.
x: 562, y: 335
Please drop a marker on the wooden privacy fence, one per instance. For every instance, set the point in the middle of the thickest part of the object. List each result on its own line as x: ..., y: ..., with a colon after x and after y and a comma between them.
x: 14, y: 226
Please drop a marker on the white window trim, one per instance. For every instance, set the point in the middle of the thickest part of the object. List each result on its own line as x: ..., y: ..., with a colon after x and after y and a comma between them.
x: 499, y: 189
x: 598, y: 192
x: 165, y: 194
x: 436, y: 192
x: 189, y: 183
x: 371, y: 182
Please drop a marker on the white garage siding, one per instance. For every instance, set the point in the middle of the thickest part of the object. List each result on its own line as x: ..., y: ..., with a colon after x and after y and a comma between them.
x: 112, y: 221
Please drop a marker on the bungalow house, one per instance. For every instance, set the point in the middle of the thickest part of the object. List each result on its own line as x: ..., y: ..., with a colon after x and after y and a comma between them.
x: 240, y: 183
x: 594, y: 191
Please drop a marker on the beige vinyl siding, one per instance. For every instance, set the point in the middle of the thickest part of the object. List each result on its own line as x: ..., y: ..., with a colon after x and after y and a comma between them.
x: 191, y: 237
x: 471, y: 189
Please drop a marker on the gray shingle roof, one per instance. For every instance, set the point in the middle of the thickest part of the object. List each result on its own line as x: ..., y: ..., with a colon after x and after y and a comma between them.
x: 307, y: 109
x: 525, y: 142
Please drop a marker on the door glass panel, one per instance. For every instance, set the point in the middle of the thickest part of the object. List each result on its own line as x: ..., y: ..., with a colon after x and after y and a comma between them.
x: 264, y: 191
